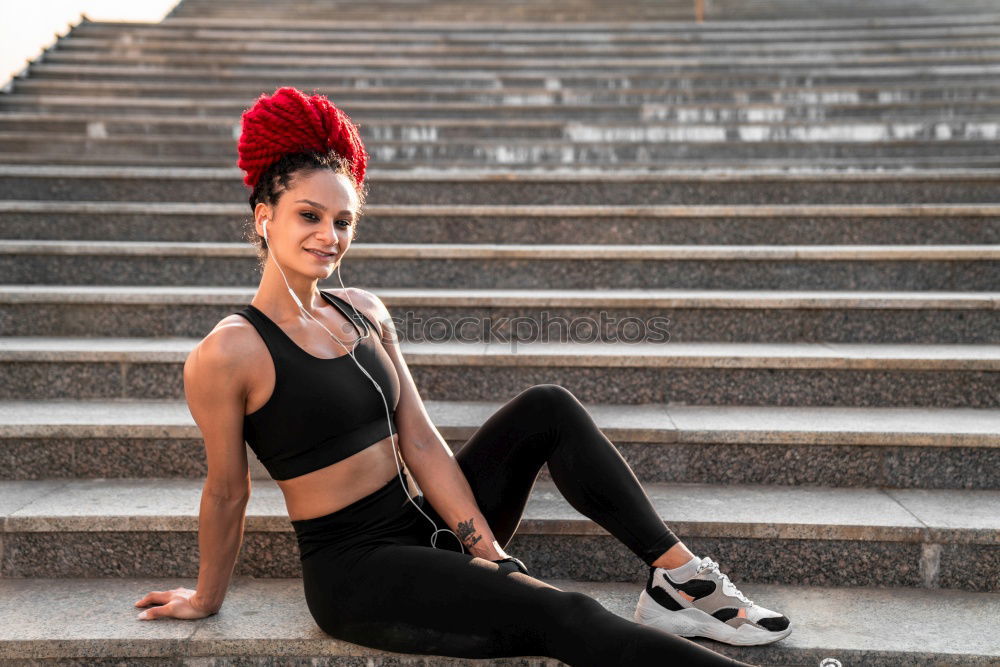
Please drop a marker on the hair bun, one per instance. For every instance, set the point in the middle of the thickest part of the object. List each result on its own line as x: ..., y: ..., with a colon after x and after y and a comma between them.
x: 288, y: 122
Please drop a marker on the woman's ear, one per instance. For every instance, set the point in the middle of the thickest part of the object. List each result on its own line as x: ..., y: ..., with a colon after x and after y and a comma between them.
x: 262, y: 215
x: 263, y: 224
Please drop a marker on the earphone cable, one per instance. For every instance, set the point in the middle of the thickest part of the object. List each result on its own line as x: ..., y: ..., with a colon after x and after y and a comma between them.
x: 397, y: 456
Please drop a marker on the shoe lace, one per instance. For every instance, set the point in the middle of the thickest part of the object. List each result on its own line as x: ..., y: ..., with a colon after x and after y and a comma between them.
x: 709, y: 565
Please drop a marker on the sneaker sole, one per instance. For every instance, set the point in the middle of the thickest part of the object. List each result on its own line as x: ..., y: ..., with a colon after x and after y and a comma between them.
x: 693, y: 622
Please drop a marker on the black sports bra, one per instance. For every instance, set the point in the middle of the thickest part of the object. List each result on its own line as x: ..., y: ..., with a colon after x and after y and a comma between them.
x: 321, y: 410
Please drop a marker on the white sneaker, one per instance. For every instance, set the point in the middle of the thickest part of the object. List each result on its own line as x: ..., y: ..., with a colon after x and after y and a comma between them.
x: 707, y: 605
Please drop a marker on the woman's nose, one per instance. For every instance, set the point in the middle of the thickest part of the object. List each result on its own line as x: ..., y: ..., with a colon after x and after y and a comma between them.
x: 328, y: 233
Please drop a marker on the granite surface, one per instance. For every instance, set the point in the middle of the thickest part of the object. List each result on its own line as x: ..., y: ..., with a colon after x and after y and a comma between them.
x: 853, y: 447
x: 793, y: 375
x: 112, y: 267
x: 267, y: 622
x: 704, y: 324
x: 631, y: 225
x: 830, y: 536
x: 707, y: 324
x: 653, y: 423
x: 157, y: 184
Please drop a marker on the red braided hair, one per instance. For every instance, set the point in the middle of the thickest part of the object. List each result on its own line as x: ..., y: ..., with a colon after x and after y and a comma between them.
x: 288, y: 122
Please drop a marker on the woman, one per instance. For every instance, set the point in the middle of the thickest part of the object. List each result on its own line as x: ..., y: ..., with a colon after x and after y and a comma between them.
x: 325, y: 408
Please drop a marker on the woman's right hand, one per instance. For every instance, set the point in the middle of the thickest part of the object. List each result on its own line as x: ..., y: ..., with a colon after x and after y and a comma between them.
x: 176, y: 603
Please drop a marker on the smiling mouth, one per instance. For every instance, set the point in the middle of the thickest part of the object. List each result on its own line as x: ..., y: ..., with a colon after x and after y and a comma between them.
x: 321, y: 255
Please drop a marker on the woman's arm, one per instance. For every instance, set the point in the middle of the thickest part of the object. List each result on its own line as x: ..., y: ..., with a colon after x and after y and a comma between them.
x: 446, y: 488
x: 216, y: 394
x: 220, y: 534
x: 215, y: 387
x: 425, y: 452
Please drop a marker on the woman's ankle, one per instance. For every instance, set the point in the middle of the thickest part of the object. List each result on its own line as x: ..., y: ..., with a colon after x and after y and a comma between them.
x: 674, y: 557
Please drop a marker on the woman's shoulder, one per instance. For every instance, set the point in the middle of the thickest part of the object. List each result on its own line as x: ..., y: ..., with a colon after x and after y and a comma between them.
x: 232, y: 344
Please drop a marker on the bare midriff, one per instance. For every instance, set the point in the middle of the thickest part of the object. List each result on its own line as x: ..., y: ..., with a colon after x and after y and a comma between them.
x: 339, y: 484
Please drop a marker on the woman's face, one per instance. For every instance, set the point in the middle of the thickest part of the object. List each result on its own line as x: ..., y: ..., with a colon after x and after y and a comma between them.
x: 316, y: 214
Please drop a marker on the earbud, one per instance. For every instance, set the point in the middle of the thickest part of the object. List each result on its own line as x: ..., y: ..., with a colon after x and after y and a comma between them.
x: 295, y: 297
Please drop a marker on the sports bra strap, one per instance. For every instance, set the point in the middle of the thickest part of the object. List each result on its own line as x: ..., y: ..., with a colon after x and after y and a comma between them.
x: 272, y: 339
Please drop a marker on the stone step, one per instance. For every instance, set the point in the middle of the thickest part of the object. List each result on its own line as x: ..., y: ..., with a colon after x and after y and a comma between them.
x: 570, y: 17
x: 273, y: 77
x: 927, y: 14
x: 501, y: 186
x: 821, y: 97
x: 676, y: 32
x: 793, y: 224
x: 540, y: 38
x: 572, y: 13
x: 762, y: 125
x: 800, y: 144
x: 843, y: 143
x: 682, y: 37
x: 649, y: 116
x: 777, y: 374
x: 931, y: 448
x: 130, y: 43
x: 774, y: 165
x: 959, y: 268
x: 825, y: 536
x: 618, y: 59
x: 475, y: 12
x: 490, y: 314
x: 262, y: 619
x: 757, y: 122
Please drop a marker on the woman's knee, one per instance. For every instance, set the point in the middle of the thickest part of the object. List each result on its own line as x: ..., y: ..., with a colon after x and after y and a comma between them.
x: 551, y: 398
x: 572, y: 610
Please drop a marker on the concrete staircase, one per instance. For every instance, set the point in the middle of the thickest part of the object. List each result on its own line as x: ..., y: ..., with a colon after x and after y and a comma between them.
x: 805, y: 192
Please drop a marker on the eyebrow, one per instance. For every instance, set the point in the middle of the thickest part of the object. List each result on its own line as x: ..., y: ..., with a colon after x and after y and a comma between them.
x: 320, y: 206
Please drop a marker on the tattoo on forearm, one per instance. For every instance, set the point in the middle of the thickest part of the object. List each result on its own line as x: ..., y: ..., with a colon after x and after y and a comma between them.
x: 467, y: 533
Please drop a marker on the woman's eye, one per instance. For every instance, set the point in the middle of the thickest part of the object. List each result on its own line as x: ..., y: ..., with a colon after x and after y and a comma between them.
x: 312, y: 218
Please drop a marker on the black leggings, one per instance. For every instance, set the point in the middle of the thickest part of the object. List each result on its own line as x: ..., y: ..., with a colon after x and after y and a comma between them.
x: 372, y: 578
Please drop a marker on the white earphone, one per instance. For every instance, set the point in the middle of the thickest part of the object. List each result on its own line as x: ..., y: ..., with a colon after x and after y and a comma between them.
x: 397, y: 456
